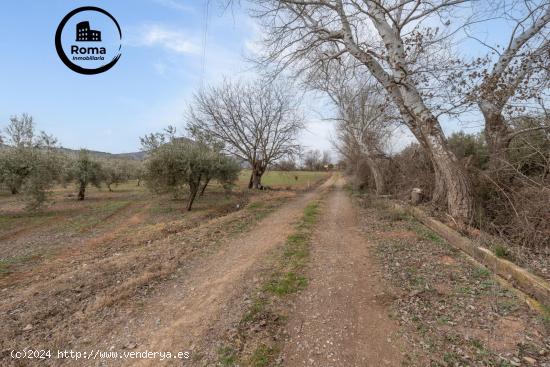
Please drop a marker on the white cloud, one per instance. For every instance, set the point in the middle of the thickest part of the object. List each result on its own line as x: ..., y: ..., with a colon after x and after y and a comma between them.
x: 170, y: 39
x: 173, y: 4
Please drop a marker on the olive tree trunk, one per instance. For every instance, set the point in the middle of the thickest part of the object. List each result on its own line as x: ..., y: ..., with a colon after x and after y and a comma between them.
x: 81, y: 191
x: 193, y: 190
x: 204, y: 186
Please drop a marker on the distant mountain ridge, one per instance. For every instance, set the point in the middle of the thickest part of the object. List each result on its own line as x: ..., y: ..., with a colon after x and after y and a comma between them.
x: 138, y: 156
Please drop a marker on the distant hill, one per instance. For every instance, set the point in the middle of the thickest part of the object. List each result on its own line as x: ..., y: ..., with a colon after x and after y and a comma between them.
x: 138, y: 156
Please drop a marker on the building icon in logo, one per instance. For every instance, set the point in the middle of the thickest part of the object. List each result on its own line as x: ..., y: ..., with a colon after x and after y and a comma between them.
x: 84, y: 33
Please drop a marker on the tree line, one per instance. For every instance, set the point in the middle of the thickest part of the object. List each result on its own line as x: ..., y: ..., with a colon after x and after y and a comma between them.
x: 233, y: 125
x: 31, y: 164
x: 392, y: 65
x: 409, y: 52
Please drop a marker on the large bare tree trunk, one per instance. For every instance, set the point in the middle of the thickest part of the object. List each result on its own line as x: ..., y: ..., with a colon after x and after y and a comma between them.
x: 423, y: 124
x: 448, y: 170
x: 460, y: 203
x: 377, y: 175
x: 496, y: 135
x: 378, y: 178
x: 258, y: 169
x: 439, y: 194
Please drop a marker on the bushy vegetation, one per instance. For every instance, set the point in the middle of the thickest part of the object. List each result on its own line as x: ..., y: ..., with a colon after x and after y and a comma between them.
x: 511, y: 202
x: 180, y: 166
x: 31, y: 165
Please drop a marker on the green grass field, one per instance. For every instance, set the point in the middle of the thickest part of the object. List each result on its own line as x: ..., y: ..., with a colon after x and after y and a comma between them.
x: 284, y: 179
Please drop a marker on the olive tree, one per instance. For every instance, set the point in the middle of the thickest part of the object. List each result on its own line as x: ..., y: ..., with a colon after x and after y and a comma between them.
x: 30, y: 164
x: 115, y: 172
x: 255, y: 122
x: 182, y: 165
x: 85, y: 171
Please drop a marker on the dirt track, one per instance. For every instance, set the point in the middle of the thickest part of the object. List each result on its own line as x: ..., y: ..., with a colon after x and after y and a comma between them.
x: 341, y: 319
x: 193, y: 303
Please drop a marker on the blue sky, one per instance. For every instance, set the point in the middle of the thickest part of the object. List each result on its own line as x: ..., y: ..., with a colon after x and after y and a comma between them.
x: 148, y: 89
x: 160, y: 68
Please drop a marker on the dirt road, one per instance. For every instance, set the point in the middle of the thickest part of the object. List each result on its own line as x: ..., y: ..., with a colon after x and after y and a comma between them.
x: 190, y: 288
x: 341, y: 319
x: 194, y: 304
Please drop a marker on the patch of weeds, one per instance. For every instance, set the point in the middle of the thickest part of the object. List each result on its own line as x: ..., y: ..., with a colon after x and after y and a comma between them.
x: 434, y: 238
x: 422, y: 329
x: 289, y: 283
x: 310, y: 214
x: 427, y: 234
x: 4, y: 267
x: 452, y: 358
x: 257, y: 308
x: 507, y: 306
x: 255, y: 205
x: 481, y: 273
x: 296, y: 246
x: 295, y: 252
x: 480, y: 348
x: 466, y: 290
x: 419, y: 281
x: 227, y: 356
x: 394, y: 215
x: 442, y: 320
x: 6, y: 264
x: 263, y: 355
x: 545, y: 315
x: 501, y: 252
x: 487, y: 285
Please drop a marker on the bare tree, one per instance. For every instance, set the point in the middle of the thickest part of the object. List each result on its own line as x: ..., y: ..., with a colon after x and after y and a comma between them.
x: 364, y: 126
x: 385, y: 36
x: 312, y: 160
x: 364, y: 117
x: 256, y: 122
x: 515, y: 72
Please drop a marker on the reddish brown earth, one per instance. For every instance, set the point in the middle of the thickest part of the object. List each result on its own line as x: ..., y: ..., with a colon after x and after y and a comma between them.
x: 380, y: 292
